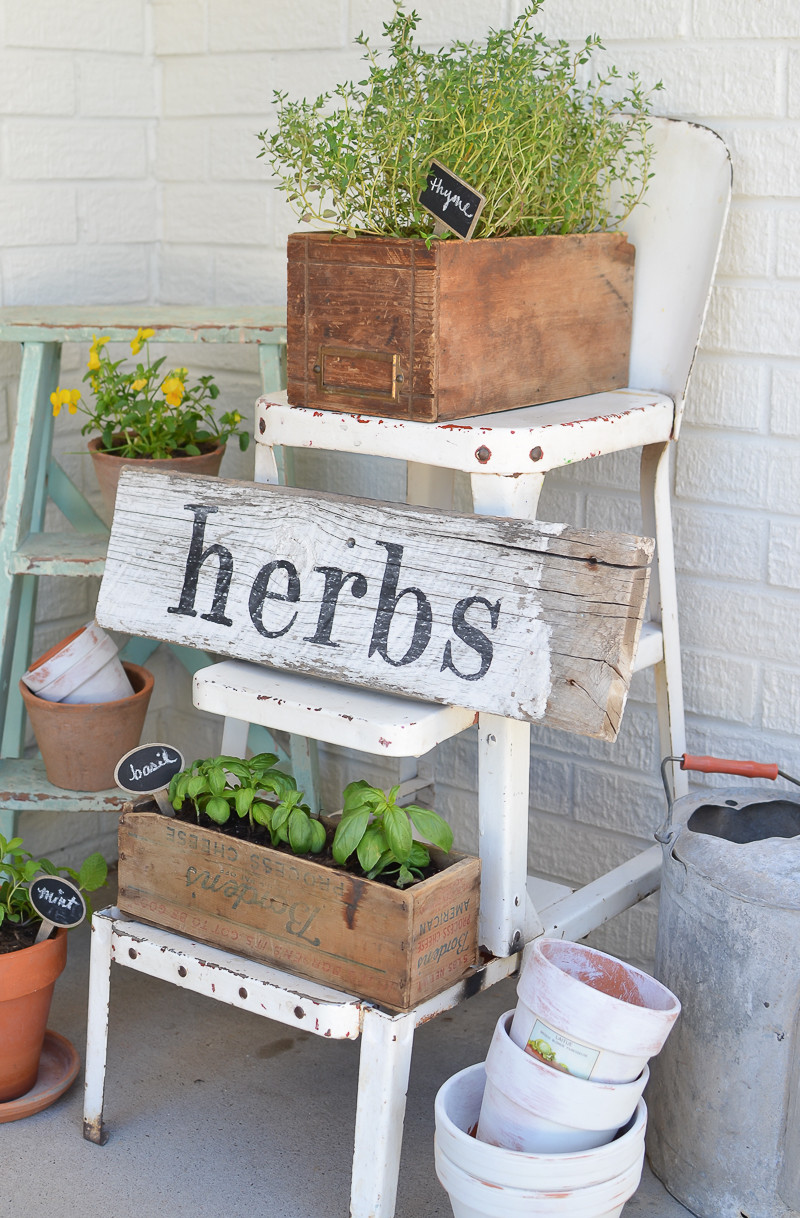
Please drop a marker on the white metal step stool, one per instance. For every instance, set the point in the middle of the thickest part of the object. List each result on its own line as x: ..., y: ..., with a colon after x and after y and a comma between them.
x: 253, y: 521
x: 677, y: 237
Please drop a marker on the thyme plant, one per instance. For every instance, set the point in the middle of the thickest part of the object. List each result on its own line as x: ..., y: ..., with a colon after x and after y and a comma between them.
x: 554, y: 149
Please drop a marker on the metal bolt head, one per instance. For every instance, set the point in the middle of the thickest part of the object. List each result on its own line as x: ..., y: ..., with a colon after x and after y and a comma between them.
x: 536, y: 454
x: 483, y: 454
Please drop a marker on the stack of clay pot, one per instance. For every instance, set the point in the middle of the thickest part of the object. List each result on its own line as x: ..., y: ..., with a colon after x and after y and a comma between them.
x: 559, y: 1098
x: 86, y: 707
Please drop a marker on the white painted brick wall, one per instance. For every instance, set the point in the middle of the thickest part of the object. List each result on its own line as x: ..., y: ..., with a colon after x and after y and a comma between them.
x: 128, y: 172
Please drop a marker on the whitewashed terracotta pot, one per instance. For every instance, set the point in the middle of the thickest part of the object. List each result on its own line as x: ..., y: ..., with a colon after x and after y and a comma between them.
x: 485, y: 1181
x: 84, y: 667
x: 530, y: 1106
x: 599, y: 1017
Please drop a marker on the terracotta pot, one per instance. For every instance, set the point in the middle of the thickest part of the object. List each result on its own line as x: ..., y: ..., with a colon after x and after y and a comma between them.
x: 108, y: 467
x: 84, y: 667
x: 27, y: 980
x: 81, y: 743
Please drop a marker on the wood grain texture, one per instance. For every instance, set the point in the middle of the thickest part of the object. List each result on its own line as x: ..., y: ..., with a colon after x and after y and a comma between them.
x: 391, y: 946
x: 476, y: 326
x: 514, y: 617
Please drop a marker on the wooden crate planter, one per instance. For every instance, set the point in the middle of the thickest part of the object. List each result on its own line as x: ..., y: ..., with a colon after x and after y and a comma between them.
x: 394, y: 947
x: 387, y: 326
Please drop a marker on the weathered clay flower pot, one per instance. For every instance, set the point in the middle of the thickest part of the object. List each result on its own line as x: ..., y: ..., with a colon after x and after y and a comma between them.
x: 108, y: 467
x: 27, y: 980
x: 81, y: 743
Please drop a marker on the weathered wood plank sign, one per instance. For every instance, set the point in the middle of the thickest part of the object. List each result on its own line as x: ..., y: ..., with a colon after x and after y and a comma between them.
x: 514, y: 617
x: 454, y: 203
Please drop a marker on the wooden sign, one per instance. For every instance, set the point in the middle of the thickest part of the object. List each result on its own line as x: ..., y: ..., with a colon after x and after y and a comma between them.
x: 452, y: 201
x: 519, y: 618
x: 57, y: 901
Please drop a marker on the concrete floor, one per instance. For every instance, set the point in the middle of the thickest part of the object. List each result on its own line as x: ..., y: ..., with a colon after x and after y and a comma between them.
x: 214, y: 1111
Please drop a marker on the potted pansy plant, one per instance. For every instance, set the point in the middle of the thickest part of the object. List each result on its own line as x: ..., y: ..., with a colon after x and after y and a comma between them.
x: 143, y: 413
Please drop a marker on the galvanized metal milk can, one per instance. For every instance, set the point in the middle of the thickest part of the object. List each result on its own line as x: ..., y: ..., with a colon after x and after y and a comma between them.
x: 724, y: 1095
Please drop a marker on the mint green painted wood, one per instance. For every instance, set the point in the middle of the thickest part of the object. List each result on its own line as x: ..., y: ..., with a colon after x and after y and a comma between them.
x: 26, y: 552
x: 24, y: 514
x: 68, y: 554
x: 24, y: 788
x: 173, y: 324
x: 71, y: 503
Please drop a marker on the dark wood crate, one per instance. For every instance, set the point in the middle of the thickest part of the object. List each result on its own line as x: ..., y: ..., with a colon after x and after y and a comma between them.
x: 387, y: 326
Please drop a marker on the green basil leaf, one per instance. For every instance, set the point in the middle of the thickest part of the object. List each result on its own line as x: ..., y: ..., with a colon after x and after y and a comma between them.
x: 371, y: 847
x: 218, y: 809
x: 349, y: 833
x: 242, y: 798
x: 318, y: 836
x: 398, y: 833
x: 300, y: 835
x: 431, y: 826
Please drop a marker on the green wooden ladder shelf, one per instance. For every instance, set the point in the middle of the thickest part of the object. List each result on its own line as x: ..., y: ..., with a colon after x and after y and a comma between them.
x: 26, y: 551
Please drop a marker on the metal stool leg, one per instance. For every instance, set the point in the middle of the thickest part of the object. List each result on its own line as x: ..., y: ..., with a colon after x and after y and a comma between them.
x: 97, y: 1031
x: 386, y: 1043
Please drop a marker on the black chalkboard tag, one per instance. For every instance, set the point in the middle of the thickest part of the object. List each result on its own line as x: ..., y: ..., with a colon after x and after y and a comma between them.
x: 148, y: 770
x: 57, y: 902
x: 452, y: 201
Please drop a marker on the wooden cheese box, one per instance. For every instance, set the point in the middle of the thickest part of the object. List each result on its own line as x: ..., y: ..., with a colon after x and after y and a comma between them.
x: 393, y: 947
x: 387, y: 326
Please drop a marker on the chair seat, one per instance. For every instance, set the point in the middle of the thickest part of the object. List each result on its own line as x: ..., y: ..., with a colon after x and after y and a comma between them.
x: 324, y: 710
x: 532, y: 438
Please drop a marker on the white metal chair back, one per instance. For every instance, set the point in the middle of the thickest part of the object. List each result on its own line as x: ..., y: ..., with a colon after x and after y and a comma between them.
x: 677, y: 233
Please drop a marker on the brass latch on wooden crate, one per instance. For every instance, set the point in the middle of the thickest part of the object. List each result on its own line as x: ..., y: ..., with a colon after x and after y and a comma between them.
x: 348, y: 370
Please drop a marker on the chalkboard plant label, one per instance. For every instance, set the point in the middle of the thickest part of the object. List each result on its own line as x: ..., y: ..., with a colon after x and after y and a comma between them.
x: 452, y: 201
x: 57, y: 901
x: 148, y: 770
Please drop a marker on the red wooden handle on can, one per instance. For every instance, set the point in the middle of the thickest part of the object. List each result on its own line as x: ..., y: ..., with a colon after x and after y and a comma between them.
x: 720, y: 765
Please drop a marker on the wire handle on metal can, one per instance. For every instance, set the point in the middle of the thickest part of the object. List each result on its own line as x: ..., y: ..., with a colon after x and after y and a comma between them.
x: 715, y: 765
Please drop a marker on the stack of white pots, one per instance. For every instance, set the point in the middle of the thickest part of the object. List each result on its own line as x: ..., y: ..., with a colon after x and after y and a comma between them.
x: 83, y: 668
x: 557, y: 1104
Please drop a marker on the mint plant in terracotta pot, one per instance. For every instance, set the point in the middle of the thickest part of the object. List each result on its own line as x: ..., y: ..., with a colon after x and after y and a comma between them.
x: 146, y: 414
x: 30, y: 964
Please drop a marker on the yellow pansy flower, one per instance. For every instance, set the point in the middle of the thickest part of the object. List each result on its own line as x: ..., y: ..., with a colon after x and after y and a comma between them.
x: 94, y: 352
x: 140, y: 384
x: 173, y: 390
x: 65, y: 397
x: 141, y: 338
